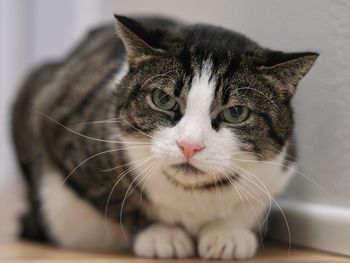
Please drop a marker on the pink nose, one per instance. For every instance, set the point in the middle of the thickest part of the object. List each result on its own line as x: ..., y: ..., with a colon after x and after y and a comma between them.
x: 189, y: 149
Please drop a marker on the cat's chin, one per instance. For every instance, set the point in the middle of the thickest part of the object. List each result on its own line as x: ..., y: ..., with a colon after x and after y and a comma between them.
x: 205, y: 183
x: 187, y: 169
x: 189, y: 177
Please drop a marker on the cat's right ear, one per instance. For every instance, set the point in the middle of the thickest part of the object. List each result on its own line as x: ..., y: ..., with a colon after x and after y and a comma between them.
x: 285, y: 70
x: 136, y: 39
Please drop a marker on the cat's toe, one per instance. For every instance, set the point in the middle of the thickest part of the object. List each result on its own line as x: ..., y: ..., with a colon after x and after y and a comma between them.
x: 236, y: 244
x: 160, y: 241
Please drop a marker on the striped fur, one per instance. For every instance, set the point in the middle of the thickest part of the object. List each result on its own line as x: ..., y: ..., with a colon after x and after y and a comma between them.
x: 82, y: 113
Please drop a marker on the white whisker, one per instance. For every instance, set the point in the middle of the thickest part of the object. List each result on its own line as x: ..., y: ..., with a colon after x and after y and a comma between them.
x: 271, y: 200
x: 88, y: 159
x: 160, y: 75
x: 120, y: 177
x: 262, y: 94
x: 150, y: 166
x: 294, y: 170
x: 85, y: 136
x: 147, y: 135
x: 122, y: 165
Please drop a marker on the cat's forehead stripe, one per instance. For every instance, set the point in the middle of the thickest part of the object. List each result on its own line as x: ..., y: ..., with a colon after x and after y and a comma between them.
x: 232, y: 68
x: 186, y: 62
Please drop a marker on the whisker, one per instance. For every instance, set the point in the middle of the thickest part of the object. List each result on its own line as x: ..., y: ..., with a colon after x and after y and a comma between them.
x: 273, y: 200
x: 218, y: 192
x: 122, y: 165
x: 262, y: 94
x: 265, y: 190
x: 150, y: 168
x: 85, y: 136
x: 244, y: 208
x: 149, y: 136
x: 287, y: 155
x: 112, y: 120
x: 159, y: 75
x: 149, y: 177
x: 228, y: 177
x: 255, y: 215
x: 88, y: 159
x: 127, y: 194
x: 120, y: 177
x: 234, y: 186
x: 294, y: 170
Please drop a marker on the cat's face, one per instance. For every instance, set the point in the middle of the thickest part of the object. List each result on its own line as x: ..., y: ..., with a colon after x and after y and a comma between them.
x: 202, y: 111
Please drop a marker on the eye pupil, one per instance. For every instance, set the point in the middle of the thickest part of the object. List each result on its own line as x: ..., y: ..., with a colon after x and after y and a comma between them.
x: 236, y: 111
x: 162, y: 100
x: 236, y: 114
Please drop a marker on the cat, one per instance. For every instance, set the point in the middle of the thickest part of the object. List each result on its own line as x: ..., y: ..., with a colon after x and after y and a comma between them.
x: 166, y: 137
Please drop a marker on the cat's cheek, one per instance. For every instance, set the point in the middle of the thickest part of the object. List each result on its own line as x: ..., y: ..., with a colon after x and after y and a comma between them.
x: 221, y: 147
x: 164, y: 146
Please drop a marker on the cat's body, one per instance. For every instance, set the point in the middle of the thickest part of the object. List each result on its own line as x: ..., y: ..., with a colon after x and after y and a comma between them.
x: 76, y: 120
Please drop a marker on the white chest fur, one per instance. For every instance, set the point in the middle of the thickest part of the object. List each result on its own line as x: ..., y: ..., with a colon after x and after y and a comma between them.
x: 173, y: 204
x: 74, y: 222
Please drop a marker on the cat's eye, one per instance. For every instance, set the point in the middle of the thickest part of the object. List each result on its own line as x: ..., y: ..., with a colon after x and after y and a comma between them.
x: 236, y: 114
x: 162, y: 100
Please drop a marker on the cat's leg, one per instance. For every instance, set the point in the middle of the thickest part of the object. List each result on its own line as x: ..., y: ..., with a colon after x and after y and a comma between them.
x: 162, y: 241
x: 72, y: 221
x: 231, y: 238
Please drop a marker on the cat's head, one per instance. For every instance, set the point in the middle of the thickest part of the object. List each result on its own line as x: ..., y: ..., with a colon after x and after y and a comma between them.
x: 204, y: 97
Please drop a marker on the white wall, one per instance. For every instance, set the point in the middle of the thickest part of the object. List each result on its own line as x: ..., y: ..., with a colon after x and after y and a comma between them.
x: 37, y: 30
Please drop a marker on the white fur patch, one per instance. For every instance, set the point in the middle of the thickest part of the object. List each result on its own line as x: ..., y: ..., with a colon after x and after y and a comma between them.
x: 226, y: 241
x: 122, y: 72
x: 195, y: 126
x: 164, y: 242
x: 72, y: 221
x: 119, y: 75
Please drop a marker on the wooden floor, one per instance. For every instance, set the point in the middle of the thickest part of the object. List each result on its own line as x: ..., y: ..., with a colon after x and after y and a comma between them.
x: 272, y: 253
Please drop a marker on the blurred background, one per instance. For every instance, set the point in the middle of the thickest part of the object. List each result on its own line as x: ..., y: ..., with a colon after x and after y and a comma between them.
x: 35, y: 31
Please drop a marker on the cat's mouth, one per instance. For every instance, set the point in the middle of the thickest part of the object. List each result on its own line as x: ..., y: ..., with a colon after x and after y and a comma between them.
x: 206, y: 185
x: 187, y: 168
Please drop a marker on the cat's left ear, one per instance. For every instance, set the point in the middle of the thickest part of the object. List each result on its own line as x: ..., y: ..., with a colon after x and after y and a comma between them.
x: 285, y: 70
x: 136, y: 39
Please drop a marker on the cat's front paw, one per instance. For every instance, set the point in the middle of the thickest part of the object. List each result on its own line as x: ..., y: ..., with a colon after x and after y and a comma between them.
x: 159, y: 241
x: 227, y: 243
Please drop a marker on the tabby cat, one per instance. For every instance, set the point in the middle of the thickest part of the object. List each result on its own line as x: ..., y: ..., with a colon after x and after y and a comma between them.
x: 167, y: 137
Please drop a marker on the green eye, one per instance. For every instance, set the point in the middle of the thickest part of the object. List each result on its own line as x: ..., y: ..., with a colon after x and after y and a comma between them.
x: 163, y: 100
x: 235, y: 114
